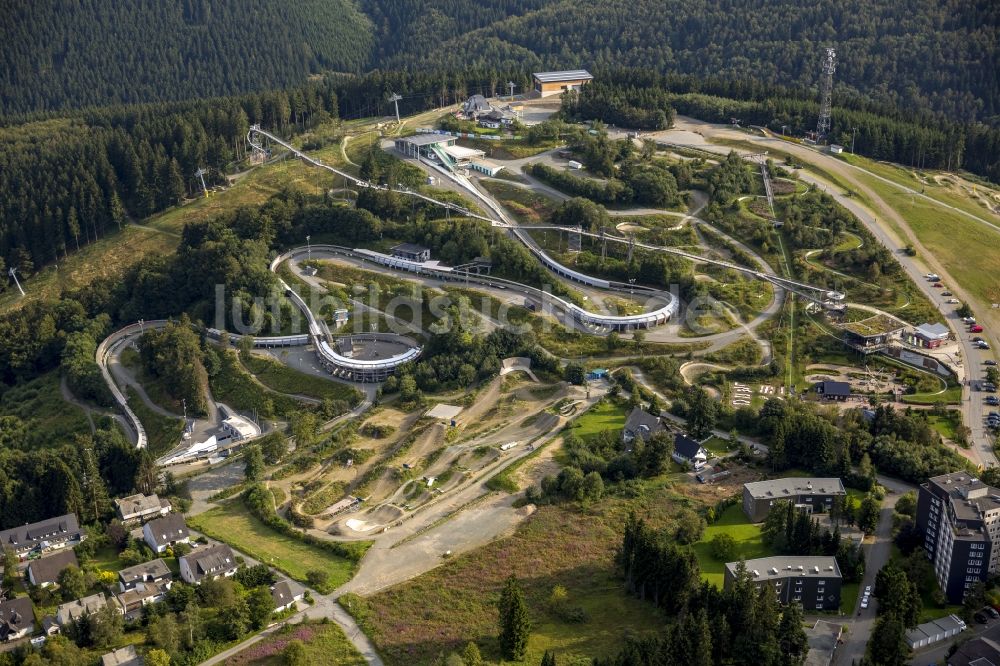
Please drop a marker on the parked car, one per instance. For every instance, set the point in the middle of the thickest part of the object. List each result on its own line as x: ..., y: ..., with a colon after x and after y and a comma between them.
x: 868, y: 590
x: 946, y: 293
x: 938, y: 285
x: 976, y: 338
x: 953, y: 301
x: 975, y: 328
x: 989, y: 361
x: 864, y: 602
x: 969, y: 320
x: 992, y: 612
x: 980, y: 618
x: 993, y: 401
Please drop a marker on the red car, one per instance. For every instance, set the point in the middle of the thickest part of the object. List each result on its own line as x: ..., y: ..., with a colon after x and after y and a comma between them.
x: 938, y: 285
x: 975, y: 328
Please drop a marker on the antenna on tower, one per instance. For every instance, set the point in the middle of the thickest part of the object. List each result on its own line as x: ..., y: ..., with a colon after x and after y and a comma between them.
x: 394, y: 98
x: 13, y: 274
x: 510, y: 84
x: 826, y: 92
x: 200, y: 173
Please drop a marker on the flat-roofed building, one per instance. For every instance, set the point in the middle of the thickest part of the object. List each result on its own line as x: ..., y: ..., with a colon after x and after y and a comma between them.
x: 959, y: 516
x: 813, y: 582
x: 812, y: 494
x: 556, y: 83
x: 423, y: 145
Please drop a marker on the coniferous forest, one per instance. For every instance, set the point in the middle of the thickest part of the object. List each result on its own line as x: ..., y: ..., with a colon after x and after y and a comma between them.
x: 918, y: 84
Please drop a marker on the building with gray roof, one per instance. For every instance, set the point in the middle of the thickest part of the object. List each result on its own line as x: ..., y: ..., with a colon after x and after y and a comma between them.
x: 811, y: 494
x: 45, y: 570
x: 209, y: 562
x: 641, y: 423
x: 959, y: 517
x: 934, y: 631
x: 44, y: 535
x: 154, y: 571
x: 547, y: 84
x: 814, y: 582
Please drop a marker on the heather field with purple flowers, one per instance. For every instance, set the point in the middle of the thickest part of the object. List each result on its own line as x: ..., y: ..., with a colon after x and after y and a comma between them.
x: 325, y: 643
x: 439, y: 612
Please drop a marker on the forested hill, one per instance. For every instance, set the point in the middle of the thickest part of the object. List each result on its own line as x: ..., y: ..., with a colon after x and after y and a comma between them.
x: 71, y: 53
x: 940, y: 55
x: 937, y: 54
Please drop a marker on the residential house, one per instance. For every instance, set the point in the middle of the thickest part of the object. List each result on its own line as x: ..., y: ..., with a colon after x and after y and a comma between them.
x: 17, y: 618
x: 72, y: 611
x: 689, y: 452
x: 210, y: 562
x: 44, y: 535
x: 155, y: 571
x: 980, y: 651
x: 123, y: 656
x: 45, y: 570
x: 476, y: 106
x: 139, y: 507
x: 49, y: 625
x: 165, y: 532
x: 285, y: 593
x: 641, y: 423
x: 135, y: 598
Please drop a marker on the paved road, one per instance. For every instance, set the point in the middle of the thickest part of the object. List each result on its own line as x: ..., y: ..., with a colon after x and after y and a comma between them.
x: 915, y: 267
x: 876, y: 556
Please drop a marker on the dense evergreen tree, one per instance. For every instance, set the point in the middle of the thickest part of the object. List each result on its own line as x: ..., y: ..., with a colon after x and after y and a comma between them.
x: 515, y: 626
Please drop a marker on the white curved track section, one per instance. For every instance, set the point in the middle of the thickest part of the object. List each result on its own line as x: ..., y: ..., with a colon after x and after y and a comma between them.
x: 108, y: 347
x: 611, y: 322
x: 658, y: 317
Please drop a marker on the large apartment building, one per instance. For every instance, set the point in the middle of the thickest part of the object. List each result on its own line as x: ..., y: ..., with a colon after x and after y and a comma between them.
x: 959, y: 516
x: 813, y: 582
x: 814, y: 495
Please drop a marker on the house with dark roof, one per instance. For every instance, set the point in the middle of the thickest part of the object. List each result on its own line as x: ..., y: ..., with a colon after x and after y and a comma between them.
x: 411, y: 252
x: 135, y: 508
x: 77, y: 609
x: 45, y: 570
x: 17, y: 618
x: 210, y: 562
x: 980, y: 651
x: 689, y: 452
x: 833, y: 390
x: 44, y: 535
x: 165, y: 532
x: 476, y: 106
x: 285, y: 593
x: 155, y: 571
x: 641, y: 423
